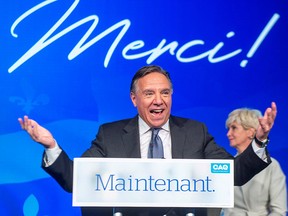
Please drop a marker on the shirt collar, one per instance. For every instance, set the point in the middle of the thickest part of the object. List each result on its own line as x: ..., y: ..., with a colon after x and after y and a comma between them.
x: 144, y: 127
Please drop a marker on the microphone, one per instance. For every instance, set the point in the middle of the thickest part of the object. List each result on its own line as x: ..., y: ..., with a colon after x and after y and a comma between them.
x: 116, y: 212
x: 190, y: 212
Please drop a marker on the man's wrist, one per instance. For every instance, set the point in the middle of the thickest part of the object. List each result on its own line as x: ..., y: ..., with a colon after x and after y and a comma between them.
x: 262, y: 143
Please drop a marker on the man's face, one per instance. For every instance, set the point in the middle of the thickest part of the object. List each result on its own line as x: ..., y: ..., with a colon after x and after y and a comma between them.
x: 153, y: 99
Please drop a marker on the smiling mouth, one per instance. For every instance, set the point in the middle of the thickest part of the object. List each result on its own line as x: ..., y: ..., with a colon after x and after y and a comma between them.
x: 156, y: 111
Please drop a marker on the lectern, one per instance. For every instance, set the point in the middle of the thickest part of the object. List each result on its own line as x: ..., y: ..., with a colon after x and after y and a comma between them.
x: 118, y: 182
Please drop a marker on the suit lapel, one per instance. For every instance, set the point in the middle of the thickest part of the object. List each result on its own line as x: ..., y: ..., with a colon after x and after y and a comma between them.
x: 131, y: 140
x: 177, y: 137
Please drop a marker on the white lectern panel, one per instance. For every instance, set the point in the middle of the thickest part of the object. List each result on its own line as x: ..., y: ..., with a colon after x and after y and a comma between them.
x: 153, y: 182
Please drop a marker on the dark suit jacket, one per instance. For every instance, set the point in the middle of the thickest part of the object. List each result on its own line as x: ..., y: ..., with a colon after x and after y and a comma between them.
x: 190, y: 140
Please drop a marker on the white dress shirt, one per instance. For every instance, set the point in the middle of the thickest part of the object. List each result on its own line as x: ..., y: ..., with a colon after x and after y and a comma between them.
x: 145, y: 138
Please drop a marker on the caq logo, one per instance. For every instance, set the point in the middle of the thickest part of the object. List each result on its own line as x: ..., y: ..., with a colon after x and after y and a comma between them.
x: 220, y: 167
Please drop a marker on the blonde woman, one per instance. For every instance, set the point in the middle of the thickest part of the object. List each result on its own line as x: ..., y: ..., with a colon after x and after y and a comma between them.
x: 265, y: 194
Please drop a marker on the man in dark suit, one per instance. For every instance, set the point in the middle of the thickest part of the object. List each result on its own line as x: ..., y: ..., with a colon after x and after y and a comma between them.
x: 151, y: 92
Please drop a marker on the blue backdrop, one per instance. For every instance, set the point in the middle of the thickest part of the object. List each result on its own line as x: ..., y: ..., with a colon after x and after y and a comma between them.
x: 68, y: 65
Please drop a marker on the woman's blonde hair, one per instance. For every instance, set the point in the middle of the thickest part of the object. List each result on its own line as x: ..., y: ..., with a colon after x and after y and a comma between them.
x: 246, y: 117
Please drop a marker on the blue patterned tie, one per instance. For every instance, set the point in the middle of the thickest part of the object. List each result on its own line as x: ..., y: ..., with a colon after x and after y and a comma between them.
x: 156, y: 145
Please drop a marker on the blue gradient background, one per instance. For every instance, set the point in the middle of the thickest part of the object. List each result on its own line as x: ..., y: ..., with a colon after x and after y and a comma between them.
x: 72, y: 97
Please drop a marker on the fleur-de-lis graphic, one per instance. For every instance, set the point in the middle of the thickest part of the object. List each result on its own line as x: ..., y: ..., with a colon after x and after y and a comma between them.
x: 29, y: 103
